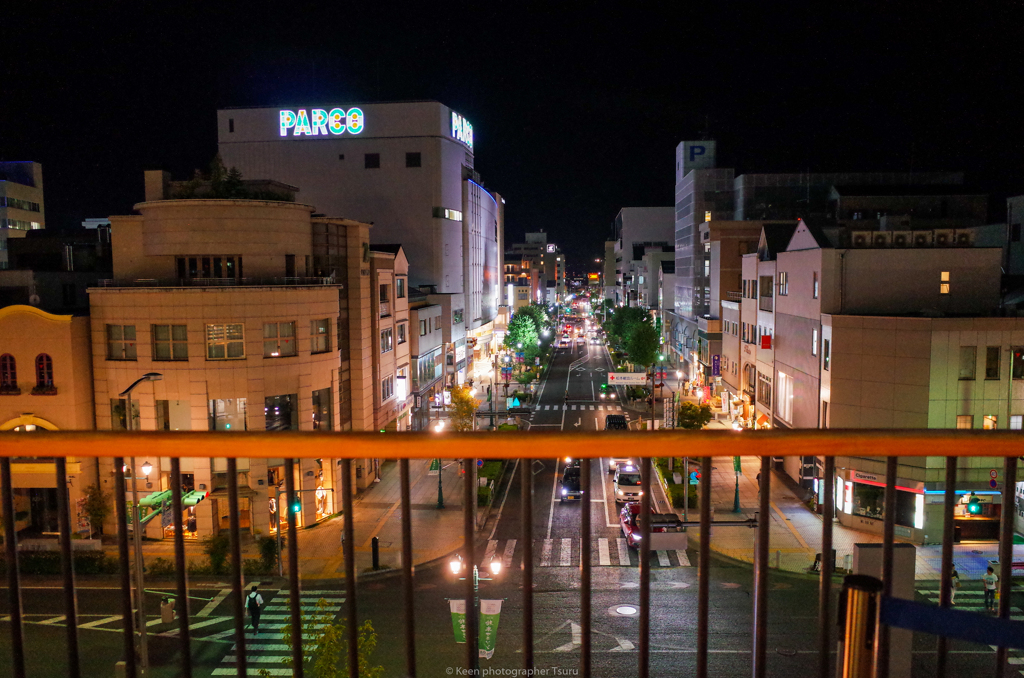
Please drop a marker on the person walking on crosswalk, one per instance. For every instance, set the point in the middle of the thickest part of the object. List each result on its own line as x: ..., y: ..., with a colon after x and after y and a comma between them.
x: 254, y: 603
x: 954, y: 584
x: 990, y: 579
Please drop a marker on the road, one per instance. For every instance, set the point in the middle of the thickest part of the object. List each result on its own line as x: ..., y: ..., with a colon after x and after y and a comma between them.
x: 568, y: 401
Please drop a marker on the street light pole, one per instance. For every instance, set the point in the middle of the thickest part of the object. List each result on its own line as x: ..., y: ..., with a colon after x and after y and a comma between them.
x: 140, y: 614
x: 456, y: 567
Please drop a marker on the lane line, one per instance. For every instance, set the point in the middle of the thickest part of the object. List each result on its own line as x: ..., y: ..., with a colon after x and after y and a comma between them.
x: 565, y: 552
x: 502, y: 507
x: 604, y: 557
x: 554, y: 490
x: 510, y: 549
x: 99, y: 622
x: 214, y: 602
x: 489, y: 553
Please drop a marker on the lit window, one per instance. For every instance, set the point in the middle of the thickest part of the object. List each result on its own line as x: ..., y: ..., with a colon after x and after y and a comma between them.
x: 815, y: 288
x: 386, y: 340
x: 814, y: 342
x: 121, y: 342
x: 170, y: 342
x: 225, y: 341
x: 44, y: 371
x: 320, y: 336
x: 990, y: 422
x: 387, y: 388
x: 965, y: 421
x: 279, y: 340
x: 944, y: 282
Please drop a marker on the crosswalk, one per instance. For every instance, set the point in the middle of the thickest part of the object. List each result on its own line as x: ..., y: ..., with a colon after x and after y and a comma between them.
x: 578, y: 408
x: 566, y: 552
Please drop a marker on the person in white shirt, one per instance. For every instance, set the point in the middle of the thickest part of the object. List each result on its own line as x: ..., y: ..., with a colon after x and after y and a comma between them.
x: 254, y: 603
x: 990, y: 580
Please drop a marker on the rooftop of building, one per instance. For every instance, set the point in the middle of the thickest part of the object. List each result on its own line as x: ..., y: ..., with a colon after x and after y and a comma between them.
x: 905, y: 190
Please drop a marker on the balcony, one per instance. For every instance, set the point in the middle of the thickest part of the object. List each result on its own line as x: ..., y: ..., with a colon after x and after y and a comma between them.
x: 683, y: 632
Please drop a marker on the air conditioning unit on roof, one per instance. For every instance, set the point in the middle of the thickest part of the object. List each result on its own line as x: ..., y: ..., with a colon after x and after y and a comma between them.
x: 922, y: 238
x: 965, y: 238
x: 881, y: 239
x: 902, y: 238
x: 860, y: 239
x: 945, y: 237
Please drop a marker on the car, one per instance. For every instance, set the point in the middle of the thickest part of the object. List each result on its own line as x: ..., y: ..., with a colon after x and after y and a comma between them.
x: 569, y: 488
x: 571, y: 462
x: 616, y: 422
x: 615, y: 462
x: 665, y: 534
x: 626, y: 483
x: 607, y: 393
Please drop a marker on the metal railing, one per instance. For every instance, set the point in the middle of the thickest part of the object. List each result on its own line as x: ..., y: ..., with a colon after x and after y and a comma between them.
x: 219, y: 282
x: 291, y: 446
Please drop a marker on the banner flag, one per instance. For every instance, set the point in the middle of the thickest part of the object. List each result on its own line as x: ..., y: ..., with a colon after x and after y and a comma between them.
x: 490, y: 610
x: 458, y: 608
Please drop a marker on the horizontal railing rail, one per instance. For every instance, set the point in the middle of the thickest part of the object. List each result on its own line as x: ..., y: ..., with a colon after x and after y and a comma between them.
x: 290, y: 446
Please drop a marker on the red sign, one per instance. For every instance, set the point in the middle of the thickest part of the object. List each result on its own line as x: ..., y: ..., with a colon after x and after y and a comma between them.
x: 766, y: 341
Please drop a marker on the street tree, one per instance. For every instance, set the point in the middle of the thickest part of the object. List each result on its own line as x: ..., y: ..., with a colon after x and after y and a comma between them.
x: 643, y: 344
x: 522, y: 335
x: 693, y: 417
x: 624, y: 321
x: 462, y: 409
x: 98, y: 505
x: 537, y: 314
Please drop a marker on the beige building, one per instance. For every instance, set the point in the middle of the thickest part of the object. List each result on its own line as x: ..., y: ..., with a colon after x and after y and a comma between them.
x: 390, y: 271
x: 258, y: 316
x: 45, y: 385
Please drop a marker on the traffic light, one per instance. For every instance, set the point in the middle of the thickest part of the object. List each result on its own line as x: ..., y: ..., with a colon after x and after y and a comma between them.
x: 297, y: 507
x: 973, y: 505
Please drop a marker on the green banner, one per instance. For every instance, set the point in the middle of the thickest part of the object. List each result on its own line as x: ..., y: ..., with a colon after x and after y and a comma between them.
x: 458, y: 608
x: 736, y: 465
x: 490, y: 610
x: 435, y: 467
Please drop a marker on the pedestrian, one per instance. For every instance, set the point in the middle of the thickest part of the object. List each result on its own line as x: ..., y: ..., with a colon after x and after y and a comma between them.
x: 954, y: 584
x: 990, y: 579
x: 254, y: 603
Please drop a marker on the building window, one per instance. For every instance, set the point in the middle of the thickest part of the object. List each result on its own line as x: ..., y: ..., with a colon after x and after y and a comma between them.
x: 44, y: 371
x: 1017, y: 362
x: 386, y: 340
x: 968, y: 362
x: 319, y: 336
x: 170, y: 342
x: 225, y: 341
x: 385, y: 294
x: 322, y: 410
x: 944, y: 282
x: 784, y: 397
x: 281, y: 413
x: 437, y: 323
x: 826, y: 355
x: 121, y: 342
x: 401, y: 333
x: 400, y: 288
x: 1015, y: 422
x: 990, y: 422
x: 8, y: 373
x: 227, y: 414
x: 457, y: 317
x: 814, y: 342
x: 965, y: 421
x: 371, y: 161
x: 279, y: 340
x: 992, y: 362
x: 783, y: 283
x: 118, y: 422
x: 387, y: 388
x: 814, y: 288
x: 423, y: 328
x: 413, y: 160
x: 764, y: 390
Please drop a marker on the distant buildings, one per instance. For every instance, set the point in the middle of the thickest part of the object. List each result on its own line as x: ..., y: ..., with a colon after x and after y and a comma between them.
x: 21, y: 203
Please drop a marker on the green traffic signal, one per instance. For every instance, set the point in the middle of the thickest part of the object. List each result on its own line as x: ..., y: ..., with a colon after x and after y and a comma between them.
x: 297, y: 507
x: 973, y: 505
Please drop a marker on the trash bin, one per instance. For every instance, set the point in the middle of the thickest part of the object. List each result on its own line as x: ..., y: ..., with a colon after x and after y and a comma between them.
x: 167, y: 610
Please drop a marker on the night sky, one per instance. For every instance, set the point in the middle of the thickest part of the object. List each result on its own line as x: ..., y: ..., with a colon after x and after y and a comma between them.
x: 576, y: 112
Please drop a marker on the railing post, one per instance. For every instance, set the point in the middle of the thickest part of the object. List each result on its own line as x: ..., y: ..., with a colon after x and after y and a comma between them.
x: 128, y: 621
x: 350, y: 568
x: 238, y: 603
x: 585, y: 472
x: 761, y: 571
x: 526, y: 499
x: 1006, y: 552
x: 703, y: 575
x: 859, y: 606
x: 184, y: 635
x: 645, y: 568
x: 469, y: 537
x: 946, y: 578
x: 13, y: 580
x: 407, y: 584
x: 825, y: 582
x: 888, y: 536
x: 67, y: 567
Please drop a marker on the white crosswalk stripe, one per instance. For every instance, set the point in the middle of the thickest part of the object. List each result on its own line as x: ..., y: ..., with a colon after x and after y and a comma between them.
x: 603, y: 556
x: 663, y: 559
x: 510, y: 549
x: 565, y: 555
x: 489, y: 553
x: 564, y: 552
x: 623, y: 551
x: 545, y: 553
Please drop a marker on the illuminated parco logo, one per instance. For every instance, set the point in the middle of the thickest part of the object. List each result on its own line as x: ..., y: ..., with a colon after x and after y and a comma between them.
x: 462, y: 130
x: 321, y: 122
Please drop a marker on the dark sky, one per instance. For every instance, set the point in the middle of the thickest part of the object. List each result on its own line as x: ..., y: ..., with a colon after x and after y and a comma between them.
x: 576, y: 111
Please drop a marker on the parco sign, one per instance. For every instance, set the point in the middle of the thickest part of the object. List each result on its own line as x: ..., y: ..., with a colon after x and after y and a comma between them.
x: 462, y: 129
x: 321, y: 122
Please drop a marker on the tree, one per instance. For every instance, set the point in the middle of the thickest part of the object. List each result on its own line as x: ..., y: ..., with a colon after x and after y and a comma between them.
x: 537, y: 314
x: 624, y: 321
x: 693, y: 417
x: 643, y: 344
x: 522, y: 335
x: 97, y: 506
x: 325, y: 646
x: 462, y: 409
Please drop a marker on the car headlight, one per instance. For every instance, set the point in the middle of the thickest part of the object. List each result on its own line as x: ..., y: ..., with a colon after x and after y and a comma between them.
x: 564, y: 492
x: 621, y: 493
x: 641, y: 493
x: 613, y: 396
x: 611, y: 464
x: 636, y: 536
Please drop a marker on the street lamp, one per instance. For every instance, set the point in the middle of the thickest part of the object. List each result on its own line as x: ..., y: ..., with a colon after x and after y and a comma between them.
x: 440, y: 468
x: 136, y: 526
x: 457, y: 565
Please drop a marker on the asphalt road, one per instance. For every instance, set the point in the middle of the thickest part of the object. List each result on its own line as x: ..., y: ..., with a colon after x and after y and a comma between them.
x: 569, y: 402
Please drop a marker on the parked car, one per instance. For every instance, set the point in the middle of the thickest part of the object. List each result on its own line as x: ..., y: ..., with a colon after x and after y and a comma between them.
x: 616, y: 422
x: 665, y: 528
x: 569, y: 488
x: 626, y: 483
x: 615, y: 462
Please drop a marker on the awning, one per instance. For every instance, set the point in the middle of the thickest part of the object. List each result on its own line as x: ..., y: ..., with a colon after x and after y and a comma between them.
x: 763, y: 419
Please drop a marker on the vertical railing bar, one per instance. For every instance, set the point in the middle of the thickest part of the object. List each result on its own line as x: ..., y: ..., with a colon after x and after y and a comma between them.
x: 13, y: 578
x: 526, y: 529
x: 469, y: 535
x: 946, y: 575
x: 67, y: 568
x: 181, y: 571
x: 350, y: 569
x: 645, y: 568
x: 703, y: 561
x: 407, y: 592
x: 881, y: 657
x: 121, y: 511
x: 294, y: 598
x: 585, y: 558
x: 825, y: 583
x: 238, y: 596
x: 1006, y: 553
x: 764, y: 520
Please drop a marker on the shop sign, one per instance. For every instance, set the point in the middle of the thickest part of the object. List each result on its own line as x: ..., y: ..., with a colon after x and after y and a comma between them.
x: 462, y: 130
x: 321, y: 122
x: 460, y: 353
x: 716, y: 365
x: 627, y: 378
x: 871, y: 477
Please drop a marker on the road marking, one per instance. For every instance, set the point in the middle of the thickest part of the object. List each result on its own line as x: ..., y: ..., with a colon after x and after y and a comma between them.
x: 663, y: 559
x: 234, y: 672
x: 591, y: 407
x: 99, y: 622
x: 214, y: 602
x: 603, y: 556
x: 577, y: 639
x: 545, y: 552
x: 489, y: 553
x: 502, y: 507
x: 604, y: 491
x: 623, y: 551
x: 173, y: 633
x: 53, y: 620
x: 510, y: 549
x: 565, y: 553
x: 624, y: 645
x: 554, y: 491
x: 684, y: 560
x: 789, y: 524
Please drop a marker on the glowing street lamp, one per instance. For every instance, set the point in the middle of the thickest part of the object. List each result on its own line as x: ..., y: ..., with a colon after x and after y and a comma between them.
x: 457, y: 566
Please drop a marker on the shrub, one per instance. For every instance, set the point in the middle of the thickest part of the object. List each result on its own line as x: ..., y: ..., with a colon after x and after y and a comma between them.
x: 677, y: 492
x: 483, y: 496
x: 216, y: 547
x: 256, y: 566
x: 490, y: 470
x: 48, y: 563
x: 268, y: 550
x: 160, y: 567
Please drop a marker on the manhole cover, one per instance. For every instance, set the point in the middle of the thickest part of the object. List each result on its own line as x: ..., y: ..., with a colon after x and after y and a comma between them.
x: 623, y: 610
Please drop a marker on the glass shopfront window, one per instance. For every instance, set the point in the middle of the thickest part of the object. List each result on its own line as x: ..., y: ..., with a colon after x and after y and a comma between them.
x: 869, y: 502
x: 282, y: 412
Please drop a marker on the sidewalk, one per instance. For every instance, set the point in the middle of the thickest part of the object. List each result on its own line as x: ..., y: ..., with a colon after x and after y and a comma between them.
x: 795, y: 530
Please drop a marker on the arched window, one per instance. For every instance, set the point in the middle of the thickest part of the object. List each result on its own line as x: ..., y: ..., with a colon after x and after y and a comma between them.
x: 44, y: 371
x: 8, y: 372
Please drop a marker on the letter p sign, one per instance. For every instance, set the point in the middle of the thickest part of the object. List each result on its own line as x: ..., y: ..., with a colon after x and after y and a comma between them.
x: 695, y: 151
